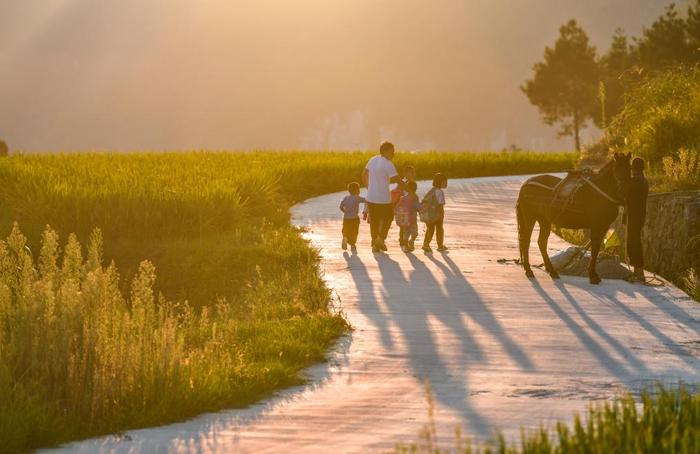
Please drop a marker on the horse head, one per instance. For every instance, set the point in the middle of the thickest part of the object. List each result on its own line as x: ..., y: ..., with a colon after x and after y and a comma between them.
x: 622, y: 172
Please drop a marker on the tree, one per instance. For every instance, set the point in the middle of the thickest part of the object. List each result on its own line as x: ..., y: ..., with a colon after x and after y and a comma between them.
x: 618, y: 66
x: 692, y: 28
x: 666, y: 42
x: 4, y: 151
x: 565, y: 85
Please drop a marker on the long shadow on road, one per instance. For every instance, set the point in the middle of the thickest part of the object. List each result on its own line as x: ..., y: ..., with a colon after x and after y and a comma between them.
x: 411, y: 305
x: 413, y: 300
x: 599, y: 352
x: 459, y: 289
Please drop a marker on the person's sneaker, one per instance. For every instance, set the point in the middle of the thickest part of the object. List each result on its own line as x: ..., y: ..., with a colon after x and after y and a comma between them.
x: 405, y: 248
x: 380, y: 244
x: 344, y: 243
x: 442, y: 248
x: 427, y: 248
x: 353, y: 248
x: 411, y: 246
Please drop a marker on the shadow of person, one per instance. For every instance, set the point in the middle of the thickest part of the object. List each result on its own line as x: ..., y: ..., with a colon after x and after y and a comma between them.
x: 451, y: 309
x: 447, y: 379
x: 459, y: 289
x: 367, y: 302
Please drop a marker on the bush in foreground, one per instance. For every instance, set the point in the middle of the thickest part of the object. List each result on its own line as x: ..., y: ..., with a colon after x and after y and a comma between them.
x: 666, y: 421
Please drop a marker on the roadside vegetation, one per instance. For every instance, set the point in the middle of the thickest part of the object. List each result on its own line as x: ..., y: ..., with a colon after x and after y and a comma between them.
x: 667, y: 420
x: 217, y: 301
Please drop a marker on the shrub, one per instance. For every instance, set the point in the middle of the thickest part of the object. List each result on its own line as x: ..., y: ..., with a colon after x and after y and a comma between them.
x: 683, y: 172
x: 661, y: 115
x: 666, y: 420
x: 4, y: 150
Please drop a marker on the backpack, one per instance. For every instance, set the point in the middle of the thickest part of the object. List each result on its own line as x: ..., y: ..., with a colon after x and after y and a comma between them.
x: 396, y: 195
x: 402, y: 212
x: 429, y: 208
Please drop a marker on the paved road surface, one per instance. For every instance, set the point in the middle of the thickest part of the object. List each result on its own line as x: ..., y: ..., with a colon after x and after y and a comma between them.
x: 499, y: 350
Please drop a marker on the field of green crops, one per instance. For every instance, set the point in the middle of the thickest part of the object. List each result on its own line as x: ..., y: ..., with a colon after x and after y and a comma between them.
x: 191, y: 291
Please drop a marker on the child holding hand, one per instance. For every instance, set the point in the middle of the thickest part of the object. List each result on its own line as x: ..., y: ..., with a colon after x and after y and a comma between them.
x: 350, y: 206
x: 407, y: 217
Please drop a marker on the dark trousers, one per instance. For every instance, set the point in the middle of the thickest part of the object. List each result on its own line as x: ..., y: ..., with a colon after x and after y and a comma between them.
x: 380, y: 217
x: 351, y: 227
x: 434, y: 228
x: 634, y: 243
x: 409, y: 234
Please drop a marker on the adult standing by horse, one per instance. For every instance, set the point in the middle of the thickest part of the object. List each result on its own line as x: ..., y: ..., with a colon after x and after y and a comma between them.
x: 637, y: 194
x: 378, y: 175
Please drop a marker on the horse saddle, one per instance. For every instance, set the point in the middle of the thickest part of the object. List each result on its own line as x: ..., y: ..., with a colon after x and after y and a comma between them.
x: 564, y: 193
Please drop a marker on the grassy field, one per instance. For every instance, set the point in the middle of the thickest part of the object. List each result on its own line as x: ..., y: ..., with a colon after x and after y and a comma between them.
x: 666, y: 421
x: 236, y: 311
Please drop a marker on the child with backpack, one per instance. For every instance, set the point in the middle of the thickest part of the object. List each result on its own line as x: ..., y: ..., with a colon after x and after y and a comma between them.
x: 433, y: 213
x: 409, y: 174
x: 406, y: 212
x: 350, y: 206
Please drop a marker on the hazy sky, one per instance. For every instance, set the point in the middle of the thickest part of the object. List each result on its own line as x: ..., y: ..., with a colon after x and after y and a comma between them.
x: 247, y: 74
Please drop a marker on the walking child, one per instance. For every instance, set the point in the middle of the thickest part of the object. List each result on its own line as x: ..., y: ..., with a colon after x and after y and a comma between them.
x: 407, y: 217
x: 350, y: 206
x: 433, y: 213
x: 409, y: 174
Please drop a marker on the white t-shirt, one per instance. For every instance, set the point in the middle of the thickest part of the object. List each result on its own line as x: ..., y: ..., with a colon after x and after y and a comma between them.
x: 380, y: 170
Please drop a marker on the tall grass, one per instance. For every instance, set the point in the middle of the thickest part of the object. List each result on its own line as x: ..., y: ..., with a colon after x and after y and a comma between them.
x: 238, y: 308
x: 666, y: 421
x: 77, y: 357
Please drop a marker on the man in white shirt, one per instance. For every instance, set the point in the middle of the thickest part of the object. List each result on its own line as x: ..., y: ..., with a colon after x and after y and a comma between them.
x: 378, y: 175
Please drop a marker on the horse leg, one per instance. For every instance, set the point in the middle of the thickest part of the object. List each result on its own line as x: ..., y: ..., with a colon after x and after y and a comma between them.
x: 545, y: 229
x: 525, y: 226
x: 597, y: 235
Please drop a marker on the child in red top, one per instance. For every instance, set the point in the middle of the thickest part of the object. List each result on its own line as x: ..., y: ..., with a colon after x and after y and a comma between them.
x: 407, y: 217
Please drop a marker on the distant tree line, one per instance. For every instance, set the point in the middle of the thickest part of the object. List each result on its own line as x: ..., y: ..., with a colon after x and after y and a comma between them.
x: 574, y: 85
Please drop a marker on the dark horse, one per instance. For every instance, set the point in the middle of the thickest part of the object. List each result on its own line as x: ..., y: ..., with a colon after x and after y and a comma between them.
x: 592, y: 204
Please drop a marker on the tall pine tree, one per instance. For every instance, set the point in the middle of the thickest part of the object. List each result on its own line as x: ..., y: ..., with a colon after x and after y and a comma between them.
x: 666, y: 42
x: 692, y: 27
x: 565, y: 85
x: 618, y: 67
